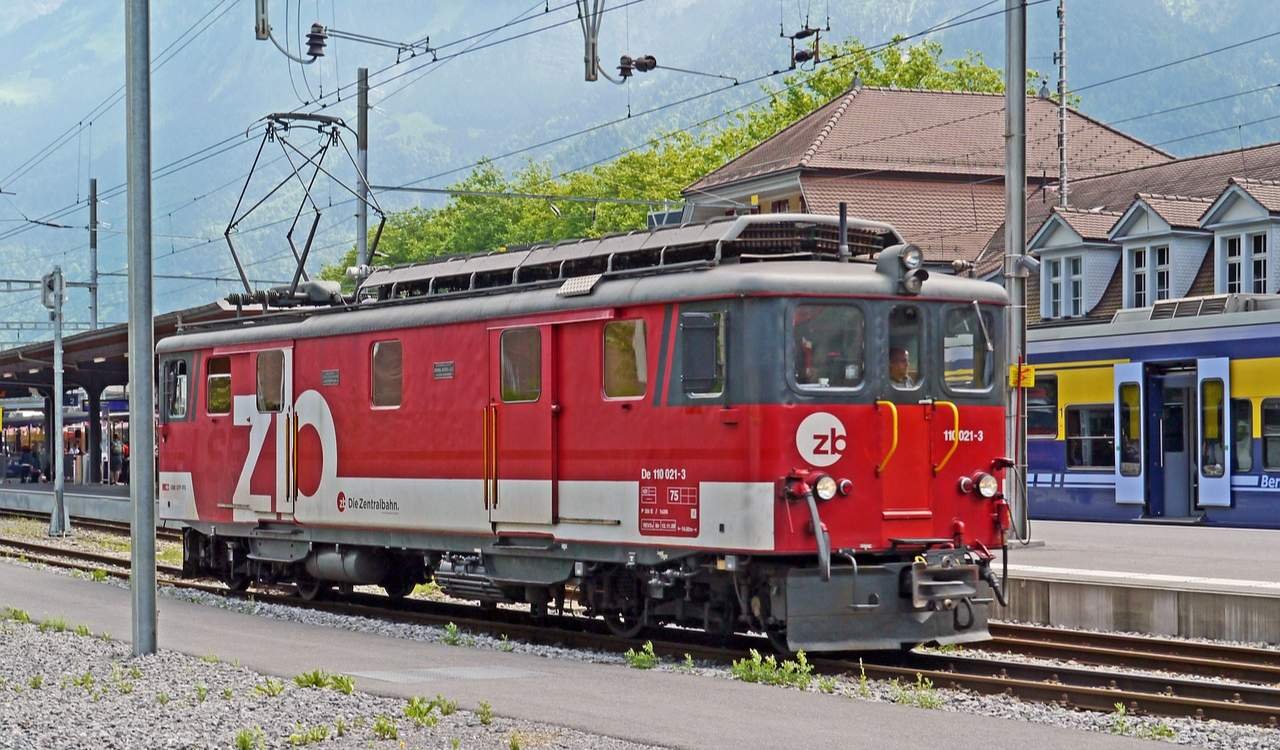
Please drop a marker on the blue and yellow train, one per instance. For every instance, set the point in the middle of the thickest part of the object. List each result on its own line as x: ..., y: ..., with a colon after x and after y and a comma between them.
x: 1167, y: 413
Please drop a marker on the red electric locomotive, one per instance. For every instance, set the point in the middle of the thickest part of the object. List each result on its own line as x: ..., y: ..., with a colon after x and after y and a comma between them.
x: 743, y: 425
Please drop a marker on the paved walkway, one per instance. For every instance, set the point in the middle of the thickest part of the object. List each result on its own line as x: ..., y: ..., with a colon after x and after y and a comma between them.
x: 652, y: 707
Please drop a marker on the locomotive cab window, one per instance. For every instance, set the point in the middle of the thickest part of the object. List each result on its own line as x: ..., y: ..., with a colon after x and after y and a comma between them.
x: 906, y: 333
x: 175, y: 389
x: 702, y: 353
x: 828, y: 341
x: 217, y: 390
x: 521, y: 364
x: 968, y: 352
x: 270, y: 380
x: 387, y: 377
x: 626, y: 368
x: 1042, y: 408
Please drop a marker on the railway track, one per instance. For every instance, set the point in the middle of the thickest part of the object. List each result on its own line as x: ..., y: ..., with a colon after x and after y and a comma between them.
x: 94, y: 524
x: 1252, y: 696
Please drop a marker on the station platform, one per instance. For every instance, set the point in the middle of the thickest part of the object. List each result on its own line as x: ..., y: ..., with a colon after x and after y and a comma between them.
x: 660, y: 708
x: 102, y: 502
x: 1191, y: 581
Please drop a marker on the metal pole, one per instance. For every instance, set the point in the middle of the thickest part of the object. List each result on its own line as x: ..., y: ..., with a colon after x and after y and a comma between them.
x: 843, y: 249
x: 1062, y: 102
x: 59, y: 519
x: 142, y: 577
x: 1015, y: 203
x: 93, y: 253
x: 362, y: 165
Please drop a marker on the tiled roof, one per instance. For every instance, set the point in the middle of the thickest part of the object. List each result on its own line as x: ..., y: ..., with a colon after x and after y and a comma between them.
x: 1179, y: 211
x: 1266, y: 192
x: 1090, y: 225
x: 938, y: 132
x: 948, y: 219
x: 1195, y: 177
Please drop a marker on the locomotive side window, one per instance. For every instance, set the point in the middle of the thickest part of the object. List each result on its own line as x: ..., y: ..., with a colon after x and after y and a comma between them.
x: 1090, y: 437
x: 270, y: 380
x: 388, y: 373
x: 968, y: 352
x: 906, y: 332
x: 1241, y: 435
x: 828, y: 342
x: 175, y: 389
x: 218, y: 386
x: 1213, y: 403
x: 521, y: 364
x: 702, y: 353
x: 626, y: 368
x: 1130, y: 430
x: 1042, y: 408
x: 1271, y: 434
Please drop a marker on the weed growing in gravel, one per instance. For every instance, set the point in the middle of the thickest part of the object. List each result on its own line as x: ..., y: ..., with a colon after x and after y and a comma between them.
x: 104, y: 636
x: 766, y: 669
x: 134, y: 672
x: 83, y: 631
x: 827, y: 685
x: 98, y: 575
x: 85, y: 681
x: 340, y: 727
x: 452, y: 635
x: 1157, y: 731
x: 314, y: 679
x: 307, y: 736
x: 124, y: 687
x: 455, y: 743
x: 163, y: 699
x: 17, y: 615
x: 270, y: 688
x: 249, y: 739
x: 36, y: 682
x: 385, y: 728
x: 421, y: 711
x: 920, y: 694
x: 485, y: 713
x: 1120, y: 723
x: 446, y: 706
x: 642, y: 659
x: 202, y: 692
x: 342, y: 684
x: 430, y: 590
x: 513, y: 742
x: 210, y: 659
x: 55, y: 624
x: 505, y: 644
x: 687, y: 664
x: 227, y: 694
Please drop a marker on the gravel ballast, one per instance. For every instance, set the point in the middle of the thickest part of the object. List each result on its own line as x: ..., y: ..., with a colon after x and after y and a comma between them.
x: 69, y: 690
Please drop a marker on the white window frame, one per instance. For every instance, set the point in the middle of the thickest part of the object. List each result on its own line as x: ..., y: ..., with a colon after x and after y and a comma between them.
x: 1054, y: 275
x: 1138, y: 277
x: 1256, y: 257
x: 1073, y: 278
x: 1160, y: 291
x: 1228, y: 262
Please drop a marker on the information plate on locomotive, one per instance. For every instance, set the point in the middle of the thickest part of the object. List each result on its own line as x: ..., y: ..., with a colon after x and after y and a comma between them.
x: 668, y: 507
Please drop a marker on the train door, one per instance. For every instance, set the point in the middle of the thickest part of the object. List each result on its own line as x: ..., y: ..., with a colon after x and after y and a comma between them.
x: 1130, y: 452
x: 1172, y: 456
x: 1213, y: 388
x: 519, y: 426
x: 918, y: 422
x: 269, y: 415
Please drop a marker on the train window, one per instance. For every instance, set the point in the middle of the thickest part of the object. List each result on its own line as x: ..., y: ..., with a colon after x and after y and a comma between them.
x: 828, y: 343
x: 270, y: 380
x: 217, y: 391
x: 1130, y: 430
x: 1042, y: 407
x: 1241, y: 435
x: 906, y: 332
x: 626, y: 368
x: 968, y: 354
x: 1271, y: 434
x: 1090, y: 437
x: 387, y: 373
x: 702, y: 353
x: 175, y: 389
x: 1213, y: 402
x: 521, y: 364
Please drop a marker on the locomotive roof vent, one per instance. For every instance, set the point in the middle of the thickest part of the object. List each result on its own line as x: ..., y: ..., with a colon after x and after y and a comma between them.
x: 579, y: 286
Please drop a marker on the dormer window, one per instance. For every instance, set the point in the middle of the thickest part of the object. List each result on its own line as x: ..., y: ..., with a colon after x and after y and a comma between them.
x: 1235, y: 266
x: 1162, y: 271
x: 1075, y: 281
x: 1055, y: 288
x: 1258, y: 257
x: 1139, y: 266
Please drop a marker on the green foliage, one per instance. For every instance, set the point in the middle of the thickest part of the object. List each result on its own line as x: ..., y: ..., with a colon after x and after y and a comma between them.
x: 642, y: 659
x: 98, y: 575
x: 421, y: 711
x: 210, y: 659
x: 864, y: 685
x: 769, y: 671
x: 270, y: 688
x: 505, y: 644
x: 36, y: 682
x: 17, y: 615
x: 227, y: 694
x: 920, y: 694
x: 513, y: 742
x: 446, y: 706
x: 314, y: 679
x: 55, y: 624
x: 83, y: 631
x: 342, y: 683
x: 1123, y: 724
x: 455, y: 743
x: 827, y: 684
x: 249, y: 739
x: 385, y: 728
x: 307, y: 736
x: 485, y: 713
x: 340, y: 727
x: 162, y: 699
x: 202, y: 692
x: 1120, y: 722
x: 687, y: 664
x: 85, y: 681
x: 452, y: 635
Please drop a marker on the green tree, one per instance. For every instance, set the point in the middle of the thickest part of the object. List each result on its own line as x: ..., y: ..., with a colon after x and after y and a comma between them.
x: 662, y: 167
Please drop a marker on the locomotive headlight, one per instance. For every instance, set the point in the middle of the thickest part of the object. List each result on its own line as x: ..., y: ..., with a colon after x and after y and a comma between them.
x: 986, y: 485
x: 913, y: 280
x: 912, y: 257
x: 825, y: 487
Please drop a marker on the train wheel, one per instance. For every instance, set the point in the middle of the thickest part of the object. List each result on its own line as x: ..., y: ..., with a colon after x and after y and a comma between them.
x: 624, y: 626
x: 778, y: 640
x: 398, y: 588
x: 311, y: 589
x: 238, y: 582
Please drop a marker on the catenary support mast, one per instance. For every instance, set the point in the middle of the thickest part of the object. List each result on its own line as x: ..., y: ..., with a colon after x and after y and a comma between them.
x: 1015, y: 203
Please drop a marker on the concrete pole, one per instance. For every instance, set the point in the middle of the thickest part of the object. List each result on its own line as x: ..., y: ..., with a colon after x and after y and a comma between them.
x: 94, y: 452
x: 93, y: 253
x: 362, y: 165
x: 59, y: 519
x: 1062, y: 102
x: 142, y: 454
x: 1015, y: 204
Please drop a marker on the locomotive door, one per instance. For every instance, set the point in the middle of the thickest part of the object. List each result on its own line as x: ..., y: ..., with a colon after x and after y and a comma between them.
x: 1130, y: 451
x: 268, y: 414
x: 519, y: 426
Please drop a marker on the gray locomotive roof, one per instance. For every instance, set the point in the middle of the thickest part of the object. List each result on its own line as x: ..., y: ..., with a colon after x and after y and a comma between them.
x: 1132, y: 324
x: 796, y: 278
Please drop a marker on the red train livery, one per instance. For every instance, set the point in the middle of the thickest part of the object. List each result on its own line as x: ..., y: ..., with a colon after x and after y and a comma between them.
x: 740, y: 426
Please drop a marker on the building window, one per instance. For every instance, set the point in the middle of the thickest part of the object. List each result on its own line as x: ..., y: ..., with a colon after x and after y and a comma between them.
x: 626, y: 367
x: 1162, y: 272
x: 1241, y: 435
x: 1271, y: 434
x: 1235, y: 276
x: 702, y: 353
x: 175, y: 389
x: 1139, y: 276
x: 270, y: 380
x: 1090, y: 437
x: 1075, y: 278
x: 828, y: 346
x: 1042, y: 407
x: 1258, y: 259
x: 387, y: 371
x: 780, y: 207
x: 1055, y: 288
x: 521, y: 364
x: 217, y: 390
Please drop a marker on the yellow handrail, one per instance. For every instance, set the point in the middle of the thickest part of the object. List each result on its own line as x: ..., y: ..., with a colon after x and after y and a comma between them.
x: 893, y: 446
x: 955, y: 434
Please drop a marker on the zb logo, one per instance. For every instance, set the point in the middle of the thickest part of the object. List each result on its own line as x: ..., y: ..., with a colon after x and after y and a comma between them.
x: 821, y: 439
